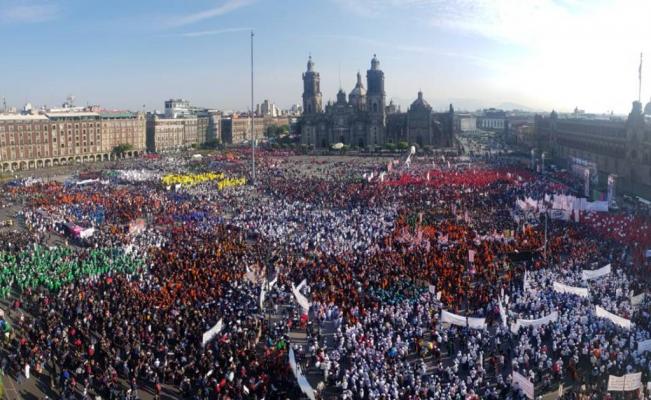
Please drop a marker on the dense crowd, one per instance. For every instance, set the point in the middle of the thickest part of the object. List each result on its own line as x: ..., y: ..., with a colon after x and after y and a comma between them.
x: 168, y: 289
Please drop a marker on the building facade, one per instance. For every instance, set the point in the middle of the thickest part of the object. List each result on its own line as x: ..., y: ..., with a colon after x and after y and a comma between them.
x: 236, y: 129
x: 492, y: 120
x: 613, y: 146
x: 182, y: 126
x: 363, y: 119
x: 169, y: 134
x: 62, y: 138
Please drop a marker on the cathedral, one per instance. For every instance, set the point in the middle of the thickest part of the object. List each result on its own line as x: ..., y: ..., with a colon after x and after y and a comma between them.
x: 365, y: 120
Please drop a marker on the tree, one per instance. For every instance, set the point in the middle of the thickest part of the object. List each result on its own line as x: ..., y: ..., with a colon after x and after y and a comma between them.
x: 121, y: 149
x: 403, y: 145
x: 390, y: 146
x: 276, y: 130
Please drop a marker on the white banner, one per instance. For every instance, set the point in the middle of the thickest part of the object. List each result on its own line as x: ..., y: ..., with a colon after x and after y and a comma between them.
x: 635, y: 300
x: 263, y: 294
x: 212, y: 332
x: 302, y: 381
x: 502, y: 312
x: 624, y: 383
x: 523, y: 383
x: 515, y: 327
x: 454, y: 319
x: 300, y: 299
x: 559, y: 287
x: 601, y: 312
x: 250, y: 276
x: 644, y: 346
x: 597, y: 273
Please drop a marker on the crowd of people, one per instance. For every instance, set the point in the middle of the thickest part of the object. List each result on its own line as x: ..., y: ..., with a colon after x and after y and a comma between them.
x: 169, y: 289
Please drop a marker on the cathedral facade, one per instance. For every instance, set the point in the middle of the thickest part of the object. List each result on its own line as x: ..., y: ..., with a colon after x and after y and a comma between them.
x: 363, y: 118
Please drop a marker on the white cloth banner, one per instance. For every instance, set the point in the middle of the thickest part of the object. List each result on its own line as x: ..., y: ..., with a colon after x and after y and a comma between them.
x: 617, y: 320
x: 300, y: 299
x: 502, y: 312
x: 644, y: 346
x: 302, y: 381
x: 250, y: 276
x: 597, y: 273
x: 624, y: 383
x: 263, y: 294
x: 595, y: 206
x: 454, y: 319
x: 635, y: 300
x: 515, y: 327
x: 212, y: 332
x: 523, y: 383
x: 559, y: 287
x: 264, y: 291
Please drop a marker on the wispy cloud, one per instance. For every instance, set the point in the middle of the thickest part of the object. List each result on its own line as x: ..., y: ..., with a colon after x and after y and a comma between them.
x: 374, y: 8
x: 415, y: 49
x: 224, y: 8
x: 29, y: 13
x: 210, y: 33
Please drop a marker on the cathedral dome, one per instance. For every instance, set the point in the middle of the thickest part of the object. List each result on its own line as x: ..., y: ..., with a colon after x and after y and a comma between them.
x: 647, y: 108
x: 358, y: 90
x: 420, y: 103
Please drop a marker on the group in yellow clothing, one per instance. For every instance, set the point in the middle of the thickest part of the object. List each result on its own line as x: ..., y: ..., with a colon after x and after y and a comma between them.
x: 190, y: 179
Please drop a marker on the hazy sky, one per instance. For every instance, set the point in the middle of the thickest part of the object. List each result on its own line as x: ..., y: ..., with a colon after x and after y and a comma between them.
x: 543, y: 54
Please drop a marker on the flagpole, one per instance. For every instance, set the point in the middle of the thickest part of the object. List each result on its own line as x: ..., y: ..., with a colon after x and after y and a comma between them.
x: 252, y: 117
x: 639, y: 89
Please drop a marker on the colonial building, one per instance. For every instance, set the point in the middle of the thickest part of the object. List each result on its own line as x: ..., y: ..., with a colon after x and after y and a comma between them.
x: 363, y: 119
x: 236, y: 129
x: 66, y: 137
x: 608, y: 146
x: 182, y: 126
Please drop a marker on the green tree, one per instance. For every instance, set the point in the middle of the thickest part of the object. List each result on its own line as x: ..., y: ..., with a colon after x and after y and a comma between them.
x: 121, y: 149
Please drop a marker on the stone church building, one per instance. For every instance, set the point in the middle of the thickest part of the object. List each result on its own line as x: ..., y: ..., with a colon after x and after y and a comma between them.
x: 365, y: 120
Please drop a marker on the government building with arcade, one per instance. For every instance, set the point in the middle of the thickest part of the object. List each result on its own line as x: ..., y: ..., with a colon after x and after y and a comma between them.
x: 363, y: 118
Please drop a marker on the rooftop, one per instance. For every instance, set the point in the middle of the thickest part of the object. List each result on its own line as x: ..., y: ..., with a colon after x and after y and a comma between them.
x: 22, y: 117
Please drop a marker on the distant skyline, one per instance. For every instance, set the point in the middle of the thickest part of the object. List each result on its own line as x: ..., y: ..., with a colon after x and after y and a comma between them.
x: 540, y: 54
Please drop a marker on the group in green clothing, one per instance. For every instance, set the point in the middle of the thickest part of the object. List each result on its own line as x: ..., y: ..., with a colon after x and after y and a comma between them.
x: 56, y: 267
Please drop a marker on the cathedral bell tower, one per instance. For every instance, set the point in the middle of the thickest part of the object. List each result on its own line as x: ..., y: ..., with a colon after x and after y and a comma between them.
x: 375, y: 103
x: 312, y: 99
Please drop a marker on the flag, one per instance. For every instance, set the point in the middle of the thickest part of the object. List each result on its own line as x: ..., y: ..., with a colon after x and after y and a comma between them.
x: 471, y: 255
